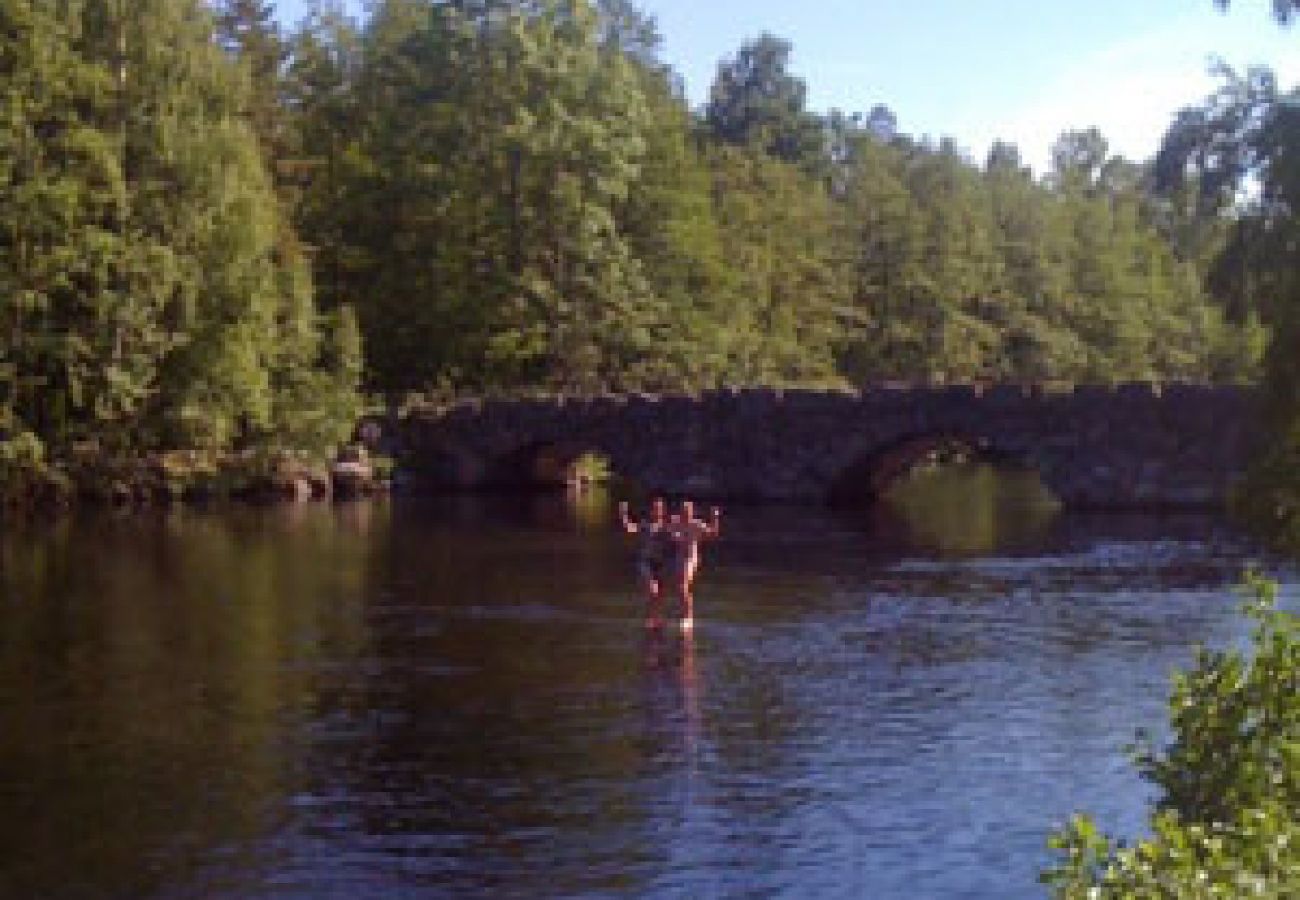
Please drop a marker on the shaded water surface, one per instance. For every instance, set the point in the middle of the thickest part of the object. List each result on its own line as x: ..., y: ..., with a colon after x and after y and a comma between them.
x: 455, y: 697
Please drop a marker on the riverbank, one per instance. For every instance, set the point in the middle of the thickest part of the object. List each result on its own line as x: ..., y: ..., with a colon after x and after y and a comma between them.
x: 90, y: 476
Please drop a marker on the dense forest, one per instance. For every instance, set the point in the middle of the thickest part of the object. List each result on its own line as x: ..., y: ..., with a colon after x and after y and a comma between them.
x: 516, y: 195
x: 221, y: 234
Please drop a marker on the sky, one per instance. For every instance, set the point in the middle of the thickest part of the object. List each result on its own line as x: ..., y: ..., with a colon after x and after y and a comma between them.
x: 981, y: 70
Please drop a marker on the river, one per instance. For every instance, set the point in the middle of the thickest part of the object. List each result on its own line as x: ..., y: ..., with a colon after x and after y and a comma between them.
x: 455, y: 697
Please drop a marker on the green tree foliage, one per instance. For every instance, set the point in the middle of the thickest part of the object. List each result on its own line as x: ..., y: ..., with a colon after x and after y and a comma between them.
x: 885, y: 235
x: 673, y: 226
x: 322, y: 123
x: 1035, y: 246
x: 755, y: 101
x: 1137, y: 306
x: 473, y: 210
x: 576, y: 307
x: 964, y: 273
x: 248, y: 32
x: 146, y: 304
x: 1240, y: 154
x: 514, y: 195
x: 1227, y: 823
x: 779, y: 234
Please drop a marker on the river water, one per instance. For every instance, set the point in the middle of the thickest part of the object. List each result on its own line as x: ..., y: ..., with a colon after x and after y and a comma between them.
x: 456, y: 697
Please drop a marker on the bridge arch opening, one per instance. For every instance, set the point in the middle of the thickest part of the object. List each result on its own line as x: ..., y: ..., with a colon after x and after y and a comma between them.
x: 886, y: 471
x: 544, y: 466
x: 952, y: 494
x: 576, y: 480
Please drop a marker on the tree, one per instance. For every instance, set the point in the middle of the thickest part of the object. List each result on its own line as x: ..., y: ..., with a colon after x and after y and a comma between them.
x: 790, y: 282
x: 148, y: 303
x: 628, y: 30
x: 1283, y: 10
x: 321, y: 106
x: 1207, y: 154
x: 494, y: 152
x: 1034, y: 242
x: 885, y: 234
x: 248, y: 31
x: 882, y: 123
x: 755, y: 101
x: 516, y: 196
x: 673, y: 227
x: 1078, y: 158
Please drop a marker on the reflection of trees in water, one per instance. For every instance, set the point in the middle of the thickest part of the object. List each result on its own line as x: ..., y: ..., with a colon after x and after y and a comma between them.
x: 152, y: 670
x: 973, y: 508
x: 457, y: 688
x: 490, y: 733
x: 591, y: 507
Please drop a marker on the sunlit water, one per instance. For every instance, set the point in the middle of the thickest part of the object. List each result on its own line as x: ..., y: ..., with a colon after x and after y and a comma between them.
x: 456, y: 697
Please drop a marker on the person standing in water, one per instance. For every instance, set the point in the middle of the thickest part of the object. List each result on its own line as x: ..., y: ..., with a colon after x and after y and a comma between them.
x: 687, y: 533
x: 654, y: 548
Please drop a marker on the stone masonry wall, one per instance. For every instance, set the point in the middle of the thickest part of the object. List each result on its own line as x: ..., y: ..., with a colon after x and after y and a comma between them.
x: 1129, y: 446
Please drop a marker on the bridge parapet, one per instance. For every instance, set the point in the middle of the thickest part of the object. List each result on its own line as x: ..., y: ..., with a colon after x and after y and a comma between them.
x: 1122, y: 446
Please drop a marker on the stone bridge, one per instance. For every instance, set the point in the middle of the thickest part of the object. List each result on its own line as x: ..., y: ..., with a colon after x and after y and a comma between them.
x: 1128, y: 446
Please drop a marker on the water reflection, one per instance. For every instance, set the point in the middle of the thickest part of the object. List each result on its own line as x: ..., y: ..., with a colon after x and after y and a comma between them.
x: 457, y: 698
x: 972, y: 508
x: 590, y: 506
x: 672, y: 685
x: 143, y: 692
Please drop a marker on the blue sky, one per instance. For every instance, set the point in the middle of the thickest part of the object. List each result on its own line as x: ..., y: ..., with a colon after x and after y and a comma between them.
x: 978, y: 70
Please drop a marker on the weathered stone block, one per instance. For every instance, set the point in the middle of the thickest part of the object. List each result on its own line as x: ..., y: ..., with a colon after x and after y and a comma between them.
x: 1137, y: 390
x: 801, y: 402
x: 1005, y: 393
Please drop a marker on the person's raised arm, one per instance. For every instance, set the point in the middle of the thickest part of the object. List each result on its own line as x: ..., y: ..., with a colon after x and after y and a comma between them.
x: 625, y: 520
x: 713, y: 528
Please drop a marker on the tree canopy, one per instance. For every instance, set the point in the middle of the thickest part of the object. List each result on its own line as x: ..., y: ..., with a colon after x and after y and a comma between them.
x: 515, y: 196
x: 209, y: 217
x: 149, y: 302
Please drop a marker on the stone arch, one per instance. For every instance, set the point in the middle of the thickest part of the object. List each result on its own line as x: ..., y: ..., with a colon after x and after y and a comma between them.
x: 546, y: 464
x: 1093, y: 447
x: 872, y: 471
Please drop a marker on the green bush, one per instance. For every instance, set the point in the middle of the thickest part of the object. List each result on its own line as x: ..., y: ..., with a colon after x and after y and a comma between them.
x: 1228, y: 821
x: 591, y: 468
x: 26, y: 475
